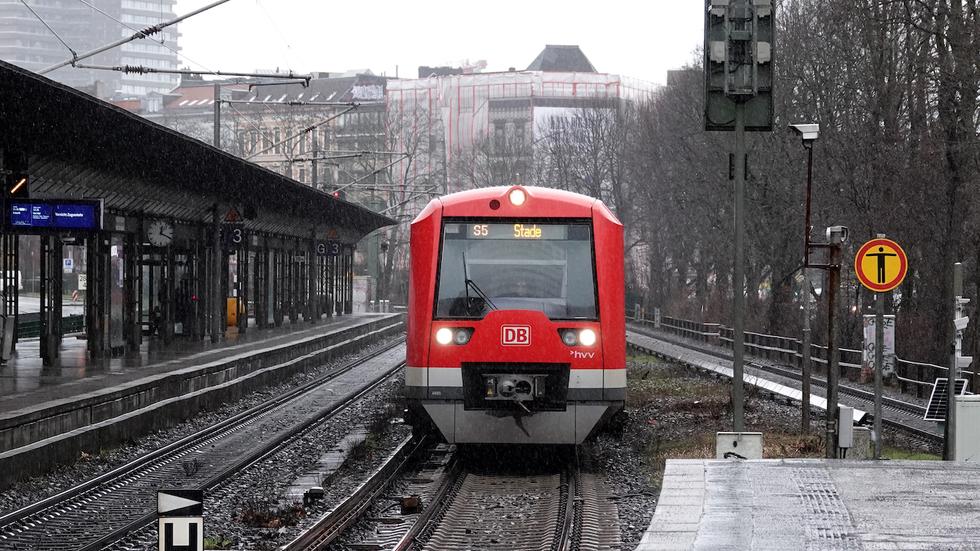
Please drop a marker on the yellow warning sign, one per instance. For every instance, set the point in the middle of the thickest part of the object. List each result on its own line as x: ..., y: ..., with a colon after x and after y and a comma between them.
x: 881, y: 265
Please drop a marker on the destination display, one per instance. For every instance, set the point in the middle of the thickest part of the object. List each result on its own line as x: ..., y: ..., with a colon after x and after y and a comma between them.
x: 528, y: 231
x: 55, y: 215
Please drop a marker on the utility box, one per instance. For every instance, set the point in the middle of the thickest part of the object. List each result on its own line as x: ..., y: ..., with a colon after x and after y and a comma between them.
x: 738, y: 445
x: 845, y: 427
x: 968, y: 428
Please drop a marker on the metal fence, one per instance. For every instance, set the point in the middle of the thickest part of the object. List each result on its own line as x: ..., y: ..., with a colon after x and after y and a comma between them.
x: 30, y: 326
x: 911, y: 377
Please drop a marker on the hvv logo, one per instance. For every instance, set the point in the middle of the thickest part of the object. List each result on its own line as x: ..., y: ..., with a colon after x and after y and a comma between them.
x: 515, y: 335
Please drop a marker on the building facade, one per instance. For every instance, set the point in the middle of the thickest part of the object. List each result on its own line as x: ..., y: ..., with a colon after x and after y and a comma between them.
x: 26, y: 41
x: 482, y: 127
x: 330, y: 135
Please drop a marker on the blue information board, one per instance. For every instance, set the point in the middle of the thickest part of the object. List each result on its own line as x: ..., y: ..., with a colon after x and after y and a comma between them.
x: 55, y: 215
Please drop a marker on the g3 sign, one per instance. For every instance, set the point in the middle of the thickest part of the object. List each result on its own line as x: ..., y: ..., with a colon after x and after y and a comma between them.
x: 328, y: 248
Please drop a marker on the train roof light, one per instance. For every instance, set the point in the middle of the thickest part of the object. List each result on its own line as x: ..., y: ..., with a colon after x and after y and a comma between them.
x: 517, y: 197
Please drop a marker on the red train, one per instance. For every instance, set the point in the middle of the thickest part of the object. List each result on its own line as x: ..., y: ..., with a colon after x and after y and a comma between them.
x: 516, y: 327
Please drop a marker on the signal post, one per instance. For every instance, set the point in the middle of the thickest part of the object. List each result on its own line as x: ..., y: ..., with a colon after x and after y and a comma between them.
x: 738, y: 49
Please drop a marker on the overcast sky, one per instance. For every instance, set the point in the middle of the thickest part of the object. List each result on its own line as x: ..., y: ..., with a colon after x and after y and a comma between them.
x: 618, y: 36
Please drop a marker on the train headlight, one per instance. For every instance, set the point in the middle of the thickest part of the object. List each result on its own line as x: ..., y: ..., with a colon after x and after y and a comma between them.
x: 444, y: 335
x: 517, y: 197
x: 586, y: 337
x: 569, y: 337
x: 462, y: 336
x: 454, y: 335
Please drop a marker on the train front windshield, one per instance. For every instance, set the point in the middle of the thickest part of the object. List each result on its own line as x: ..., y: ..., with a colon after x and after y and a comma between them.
x: 517, y: 265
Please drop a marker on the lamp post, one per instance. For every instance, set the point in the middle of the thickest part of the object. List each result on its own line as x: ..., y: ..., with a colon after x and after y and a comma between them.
x: 809, y: 134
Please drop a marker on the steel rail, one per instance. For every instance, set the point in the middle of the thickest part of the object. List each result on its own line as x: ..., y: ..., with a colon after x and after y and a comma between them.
x: 51, y: 505
x: 272, y: 447
x: 440, y: 504
x: 330, y: 526
x: 569, y: 515
x: 22, y: 514
x: 562, y: 533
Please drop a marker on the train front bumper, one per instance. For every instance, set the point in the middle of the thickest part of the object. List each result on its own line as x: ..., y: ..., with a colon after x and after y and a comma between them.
x: 571, y: 426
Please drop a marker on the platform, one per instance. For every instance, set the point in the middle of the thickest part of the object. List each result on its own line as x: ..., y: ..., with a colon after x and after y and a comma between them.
x: 778, y: 504
x: 24, y: 382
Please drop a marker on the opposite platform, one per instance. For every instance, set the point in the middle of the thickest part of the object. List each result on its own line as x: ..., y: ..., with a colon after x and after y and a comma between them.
x: 24, y: 382
x: 53, y: 424
x: 778, y: 504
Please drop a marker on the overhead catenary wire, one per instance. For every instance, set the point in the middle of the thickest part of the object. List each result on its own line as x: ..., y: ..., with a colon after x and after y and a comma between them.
x: 249, y: 122
x: 334, y: 155
x: 132, y: 28
x: 275, y: 26
x: 149, y: 31
x: 303, y: 131
x: 373, y: 172
x: 299, y: 102
x: 74, y: 54
x: 141, y: 70
x: 426, y: 191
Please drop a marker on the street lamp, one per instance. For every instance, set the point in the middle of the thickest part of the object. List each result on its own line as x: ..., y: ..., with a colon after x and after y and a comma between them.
x: 836, y: 237
x: 809, y: 134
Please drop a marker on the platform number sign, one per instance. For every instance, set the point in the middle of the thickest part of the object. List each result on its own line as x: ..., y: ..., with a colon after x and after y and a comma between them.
x: 233, y: 235
x: 328, y: 248
x: 180, y: 514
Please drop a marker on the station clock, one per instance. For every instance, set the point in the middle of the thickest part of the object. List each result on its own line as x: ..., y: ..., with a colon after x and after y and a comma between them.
x: 160, y: 233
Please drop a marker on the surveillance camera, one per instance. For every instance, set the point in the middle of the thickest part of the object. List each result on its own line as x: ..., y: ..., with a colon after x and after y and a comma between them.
x: 809, y: 132
x: 837, y: 234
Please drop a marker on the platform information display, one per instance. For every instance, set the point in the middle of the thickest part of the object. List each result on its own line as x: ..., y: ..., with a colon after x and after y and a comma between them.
x: 55, y: 215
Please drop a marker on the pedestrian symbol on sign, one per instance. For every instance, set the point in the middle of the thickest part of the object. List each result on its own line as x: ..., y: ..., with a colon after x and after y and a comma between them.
x: 881, y: 255
x: 881, y: 265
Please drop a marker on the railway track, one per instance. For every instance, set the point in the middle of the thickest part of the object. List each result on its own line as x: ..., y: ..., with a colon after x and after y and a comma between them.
x: 904, y: 416
x: 329, y: 527
x: 424, y: 470
x: 104, y: 510
x: 557, y: 509
x: 562, y: 510
x: 897, y: 407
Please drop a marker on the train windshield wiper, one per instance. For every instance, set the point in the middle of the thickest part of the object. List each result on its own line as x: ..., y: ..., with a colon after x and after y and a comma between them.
x: 476, y: 288
x: 469, y: 283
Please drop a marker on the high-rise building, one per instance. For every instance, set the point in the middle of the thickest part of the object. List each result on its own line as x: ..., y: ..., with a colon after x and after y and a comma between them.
x: 26, y: 41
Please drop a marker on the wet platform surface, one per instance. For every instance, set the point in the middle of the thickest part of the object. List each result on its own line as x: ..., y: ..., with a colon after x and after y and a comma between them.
x: 24, y: 382
x: 816, y: 504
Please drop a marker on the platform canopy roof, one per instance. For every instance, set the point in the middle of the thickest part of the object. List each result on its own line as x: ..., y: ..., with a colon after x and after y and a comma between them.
x: 81, y: 147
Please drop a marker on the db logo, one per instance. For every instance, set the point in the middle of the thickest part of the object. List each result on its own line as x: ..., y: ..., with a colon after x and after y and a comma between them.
x: 515, y: 335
